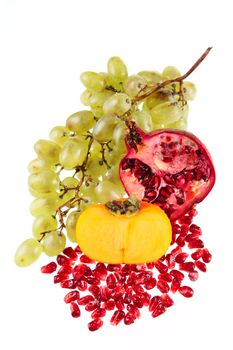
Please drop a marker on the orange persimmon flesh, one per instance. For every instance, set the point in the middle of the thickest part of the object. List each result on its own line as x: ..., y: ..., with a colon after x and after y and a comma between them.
x: 120, y: 238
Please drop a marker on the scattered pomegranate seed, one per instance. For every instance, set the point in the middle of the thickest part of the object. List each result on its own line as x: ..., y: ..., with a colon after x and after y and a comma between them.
x: 166, y: 300
x: 71, y: 296
x: 109, y: 305
x: 206, y: 256
x: 134, y: 310
x: 113, y: 267
x: 180, y: 258
x: 129, y: 318
x: 159, y: 310
x: 63, y: 260
x: 163, y: 286
x: 92, y: 305
x: 60, y: 278
x: 82, y: 285
x: 71, y: 253
x: 187, y: 266
x: 78, y: 250
x: 197, y: 254
x: 181, y: 241
x: 175, y: 285
x: 98, y: 312
x: 201, y: 266
x: 170, y: 259
x: 69, y: 284
x: 165, y: 276
x: 161, y: 267
x: 49, y: 268
x: 94, y: 290
x: 65, y: 270
x: 196, y: 243
x: 187, y: 292
x: 86, y: 260
x: 193, y: 276
x: 150, y: 284
x: 195, y: 229
x: 111, y: 281
x: 95, y: 324
x: 75, y: 310
x: 85, y: 300
x: 177, y: 274
x: 117, y: 317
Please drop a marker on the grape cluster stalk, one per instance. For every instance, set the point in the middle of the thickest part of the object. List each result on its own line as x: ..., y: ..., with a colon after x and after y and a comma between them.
x: 78, y: 165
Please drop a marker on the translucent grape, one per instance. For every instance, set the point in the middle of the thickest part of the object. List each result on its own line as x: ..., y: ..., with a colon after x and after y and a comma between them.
x: 117, y: 68
x: 97, y: 99
x: 143, y: 120
x: 45, y: 181
x: 95, y: 169
x: 37, y: 165
x: 103, y: 130
x: 73, y: 154
x: 165, y: 113
x: 161, y: 96
x: 85, y: 97
x: 28, y: 252
x: 42, y: 224
x: 189, y: 90
x: 107, y: 190
x: 182, y: 122
x: 47, y: 150
x: 59, y: 135
x: 118, y: 137
x: 54, y: 243
x: 80, y: 122
x: 117, y: 104
x: 151, y: 76
x: 93, y: 81
x: 170, y: 72
x: 112, y: 174
x: 134, y: 85
x: 95, y: 148
x: 41, y: 206
x: 68, y: 182
x: 71, y: 225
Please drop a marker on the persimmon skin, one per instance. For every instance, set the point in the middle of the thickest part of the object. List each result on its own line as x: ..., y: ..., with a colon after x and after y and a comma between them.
x: 131, y: 239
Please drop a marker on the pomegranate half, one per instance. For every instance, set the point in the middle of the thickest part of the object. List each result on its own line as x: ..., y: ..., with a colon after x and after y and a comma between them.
x: 170, y: 168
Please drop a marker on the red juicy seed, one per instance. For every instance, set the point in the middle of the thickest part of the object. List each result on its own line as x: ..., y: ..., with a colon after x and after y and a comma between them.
x: 197, y: 243
x: 170, y: 259
x: 95, y: 324
x: 197, y: 254
x: 99, y: 312
x: 120, y: 277
x: 109, y: 305
x: 129, y: 318
x: 126, y: 269
x: 50, y: 268
x: 187, y: 266
x: 193, y: 276
x: 118, y: 293
x: 65, y: 270
x: 186, y: 220
x: 79, y: 271
x: 81, y: 285
x: 75, y: 310
x: 100, y: 274
x: 113, y: 267
x: 86, y: 260
x: 195, y: 229
x: 131, y: 279
x: 192, y: 237
x: 177, y: 274
x: 180, y: 258
x: 165, y: 276
x: 92, y: 305
x: 71, y: 296
x: 206, y: 256
x: 161, y: 267
x: 159, y: 310
x: 143, y: 277
x: 138, y: 289
x: 70, y: 252
x: 120, y: 304
x: 134, y: 310
x: 145, y: 298
x: 192, y: 212
x: 60, y: 278
x: 69, y: 284
x: 181, y: 241
x: 175, y: 285
x: 63, y: 260
x: 137, y: 301
x: 176, y: 229
x: 78, y: 250
x: 105, y: 293
x: 150, y: 284
x: 150, y: 265
x: 201, y: 266
x: 128, y: 297
x: 187, y: 292
x: 92, y: 280
x: 166, y: 300
x: 184, y: 230
x: 85, y: 300
x: 163, y: 286
x: 117, y: 317
x: 154, y: 302
x: 176, y: 251
x: 111, y: 281
x: 94, y: 290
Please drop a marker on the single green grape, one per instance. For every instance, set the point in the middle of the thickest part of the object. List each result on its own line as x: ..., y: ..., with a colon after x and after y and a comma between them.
x: 117, y: 68
x: 44, y: 205
x: 134, y: 85
x: 47, y: 150
x: 43, y: 223
x: 28, y: 252
x: 71, y: 222
x: 95, y: 149
x: 107, y: 190
x: 189, y: 90
x: 182, y: 122
x: 165, y: 113
x: 45, y: 181
x: 54, y: 243
x: 80, y: 122
x: 65, y: 193
x: 59, y: 135
x: 95, y: 168
x: 97, y: 99
x: 103, y: 130
x: 37, y: 165
x: 161, y: 96
x: 93, y: 81
x: 112, y: 174
x: 73, y: 154
x: 117, y: 104
x: 170, y: 72
x: 118, y: 137
x: 143, y: 120
x: 151, y: 76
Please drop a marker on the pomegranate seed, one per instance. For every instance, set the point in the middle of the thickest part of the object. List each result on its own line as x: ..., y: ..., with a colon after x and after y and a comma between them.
x: 166, y: 300
x: 113, y: 267
x: 86, y: 260
x: 92, y: 305
x: 177, y: 274
x: 99, y: 312
x: 195, y: 229
x: 197, y: 243
x: 65, y: 270
x: 63, y: 260
x: 170, y: 259
x: 75, y: 310
x: 131, y: 279
x: 193, y: 276
x: 70, y: 252
x: 150, y: 284
x: 111, y: 281
x: 94, y: 290
x: 120, y: 304
x: 78, y: 250
x: 180, y: 258
x: 128, y: 297
x: 206, y: 256
x: 186, y: 220
x: 126, y: 269
x: 85, y: 300
x: 137, y: 301
x: 163, y: 286
x: 81, y: 285
x: 117, y: 317
x: 60, y: 278
x: 176, y: 251
x: 197, y: 254
x: 105, y: 293
x: 192, y: 212
x: 192, y: 237
x: 95, y: 324
x: 71, y: 296
x: 184, y: 230
x: 159, y: 310
x: 145, y: 298
x: 165, y: 276
x: 69, y: 284
x: 161, y: 267
x: 175, y: 285
x: 92, y: 280
x: 201, y: 266
x: 181, y: 241
x: 81, y: 270
x: 129, y: 318
x: 138, y: 289
x: 134, y: 310
x: 109, y: 305
x: 150, y: 265
x: 120, y: 277
x: 187, y: 292
x: 187, y: 266
x: 154, y: 302
x: 49, y: 268
x: 100, y: 274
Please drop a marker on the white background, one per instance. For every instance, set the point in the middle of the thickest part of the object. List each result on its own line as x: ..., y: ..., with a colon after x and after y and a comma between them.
x: 44, y: 47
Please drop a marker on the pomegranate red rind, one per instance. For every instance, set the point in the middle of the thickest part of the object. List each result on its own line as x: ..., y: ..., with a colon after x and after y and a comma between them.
x: 169, y: 168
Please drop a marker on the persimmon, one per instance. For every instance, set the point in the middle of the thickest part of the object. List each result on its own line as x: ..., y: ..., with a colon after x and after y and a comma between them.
x: 124, y: 231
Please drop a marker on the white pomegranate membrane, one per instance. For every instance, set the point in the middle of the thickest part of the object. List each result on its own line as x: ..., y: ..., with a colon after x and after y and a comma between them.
x: 122, y: 290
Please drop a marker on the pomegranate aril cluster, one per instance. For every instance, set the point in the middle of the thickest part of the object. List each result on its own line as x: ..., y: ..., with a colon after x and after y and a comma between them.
x: 123, y: 290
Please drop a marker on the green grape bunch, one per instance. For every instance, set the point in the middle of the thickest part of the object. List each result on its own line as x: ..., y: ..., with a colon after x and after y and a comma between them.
x: 78, y: 164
